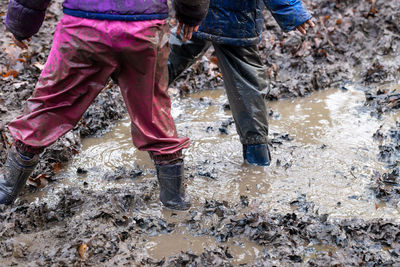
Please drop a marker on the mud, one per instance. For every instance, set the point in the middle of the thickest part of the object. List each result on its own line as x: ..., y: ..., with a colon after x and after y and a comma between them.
x: 386, y: 184
x: 343, y: 211
x: 241, y: 215
x: 114, y: 228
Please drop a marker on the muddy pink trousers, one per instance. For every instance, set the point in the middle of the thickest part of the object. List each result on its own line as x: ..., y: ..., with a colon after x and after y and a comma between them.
x: 85, y: 53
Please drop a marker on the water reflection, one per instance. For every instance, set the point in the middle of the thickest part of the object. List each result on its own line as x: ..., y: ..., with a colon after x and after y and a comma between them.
x: 330, y: 160
x: 329, y: 164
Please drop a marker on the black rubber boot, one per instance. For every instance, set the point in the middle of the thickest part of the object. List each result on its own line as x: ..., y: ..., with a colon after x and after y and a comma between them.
x: 172, y: 190
x: 257, y: 154
x: 14, y: 174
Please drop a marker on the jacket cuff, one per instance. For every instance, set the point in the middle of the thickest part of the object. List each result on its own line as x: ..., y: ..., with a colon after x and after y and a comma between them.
x: 23, y: 22
x: 289, y: 16
x: 191, y: 12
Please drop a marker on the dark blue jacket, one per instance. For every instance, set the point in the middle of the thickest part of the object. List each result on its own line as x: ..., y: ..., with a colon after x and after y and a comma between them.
x: 240, y: 22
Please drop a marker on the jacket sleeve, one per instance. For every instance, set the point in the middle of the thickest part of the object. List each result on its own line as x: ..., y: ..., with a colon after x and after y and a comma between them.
x: 191, y: 12
x: 24, y: 17
x: 288, y: 13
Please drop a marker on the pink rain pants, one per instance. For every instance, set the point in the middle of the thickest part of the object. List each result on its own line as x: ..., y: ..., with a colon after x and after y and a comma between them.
x: 85, y: 53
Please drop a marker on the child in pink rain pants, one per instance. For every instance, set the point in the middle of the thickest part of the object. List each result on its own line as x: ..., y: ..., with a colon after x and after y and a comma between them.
x: 127, y: 40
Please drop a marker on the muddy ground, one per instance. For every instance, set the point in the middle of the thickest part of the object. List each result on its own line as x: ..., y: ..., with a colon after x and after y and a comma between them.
x: 355, y: 43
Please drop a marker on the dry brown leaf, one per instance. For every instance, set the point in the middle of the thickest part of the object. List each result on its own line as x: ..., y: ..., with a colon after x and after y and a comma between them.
x: 274, y: 67
x: 75, y: 151
x: 184, y: 88
x: 317, y: 42
x: 269, y: 73
x: 39, y: 181
x: 5, y: 139
x: 83, y: 248
x: 57, y: 167
x: 305, y: 47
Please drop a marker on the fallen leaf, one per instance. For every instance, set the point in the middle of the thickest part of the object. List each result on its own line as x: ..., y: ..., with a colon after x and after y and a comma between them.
x: 305, y: 47
x: 274, y: 67
x: 13, y: 73
x: 50, y: 16
x: 83, y: 248
x: 5, y: 139
x: 184, y: 88
x: 75, y: 151
x: 57, y: 167
x: 317, y: 42
x: 43, y: 182
x: 39, y: 181
x: 269, y: 73
x: 38, y: 65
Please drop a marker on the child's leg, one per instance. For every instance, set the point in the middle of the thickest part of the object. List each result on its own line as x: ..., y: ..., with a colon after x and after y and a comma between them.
x: 143, y: 80
x: 245, y: 80
x: 184, y: 54
x: 246, y: 84
x: 76, y: 70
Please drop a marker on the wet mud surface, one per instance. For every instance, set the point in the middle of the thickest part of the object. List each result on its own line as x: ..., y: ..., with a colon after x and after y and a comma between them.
x: 329, y: 198
x: 386, y: 184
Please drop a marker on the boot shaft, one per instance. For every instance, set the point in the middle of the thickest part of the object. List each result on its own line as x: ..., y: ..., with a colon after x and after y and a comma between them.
x: 172, y: 190
x: 14, y: 174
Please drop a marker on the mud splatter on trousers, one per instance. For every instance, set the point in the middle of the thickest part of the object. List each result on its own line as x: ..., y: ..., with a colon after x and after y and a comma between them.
x: 85, y: 53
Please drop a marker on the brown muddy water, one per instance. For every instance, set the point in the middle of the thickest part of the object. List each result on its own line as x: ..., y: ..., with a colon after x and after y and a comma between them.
x: 327, y: 159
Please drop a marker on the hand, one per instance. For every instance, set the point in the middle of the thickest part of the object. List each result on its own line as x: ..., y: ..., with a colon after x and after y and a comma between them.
x: 302, y: 28
x: 187, y: 31
x: 20, y: 44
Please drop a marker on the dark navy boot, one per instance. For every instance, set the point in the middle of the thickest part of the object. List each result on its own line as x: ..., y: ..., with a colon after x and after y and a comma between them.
x: 172, y: 190
x: 257, y: 154
x: 14, y: 174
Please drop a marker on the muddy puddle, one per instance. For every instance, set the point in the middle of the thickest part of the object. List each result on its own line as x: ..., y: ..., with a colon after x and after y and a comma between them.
x: 327, y: 154
x: 323, y: 159
x: 162, y: 247
x: 103, y: 208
